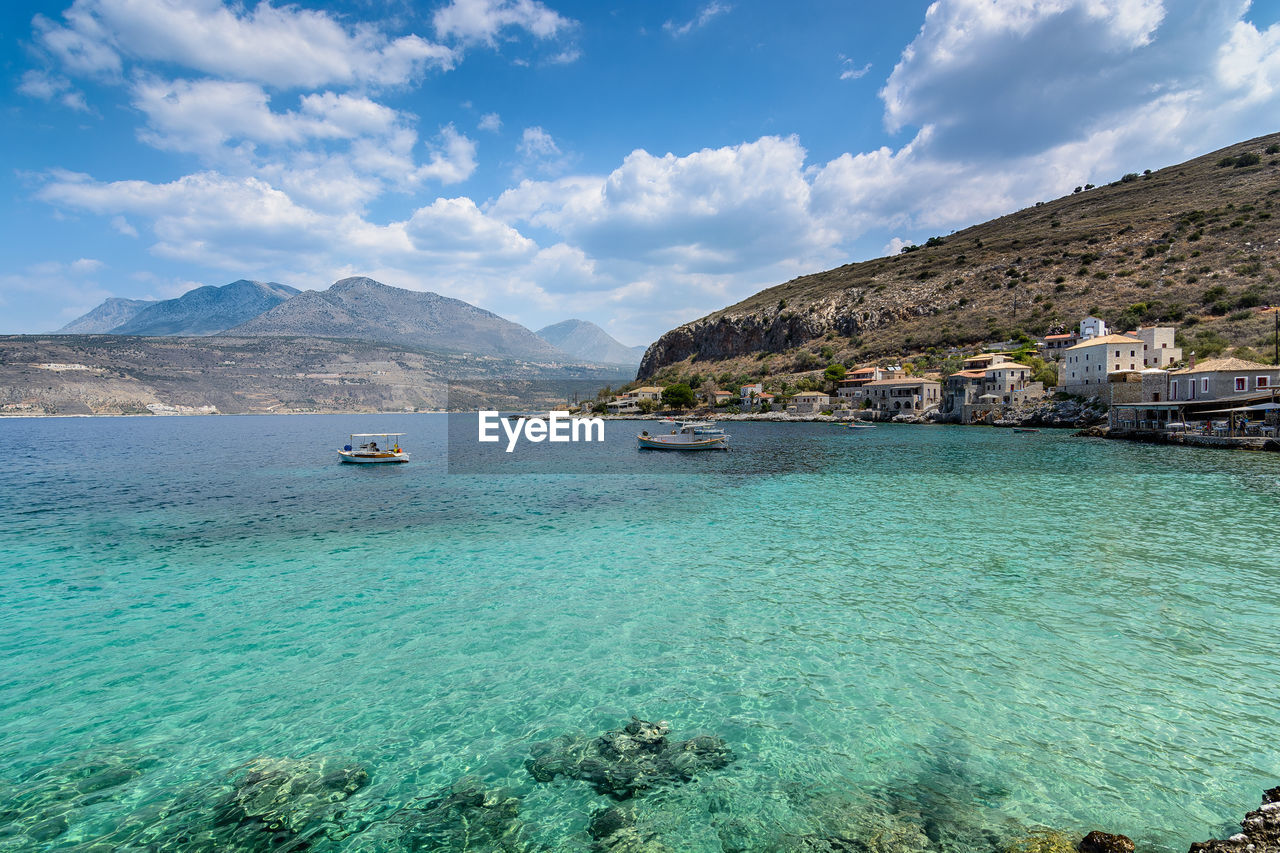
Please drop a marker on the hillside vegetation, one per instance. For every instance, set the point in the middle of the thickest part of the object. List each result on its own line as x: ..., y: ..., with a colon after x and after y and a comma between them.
x: 1195, y: 245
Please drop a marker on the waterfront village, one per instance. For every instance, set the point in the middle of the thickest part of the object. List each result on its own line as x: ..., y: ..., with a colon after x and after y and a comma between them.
x: 1137, y: 383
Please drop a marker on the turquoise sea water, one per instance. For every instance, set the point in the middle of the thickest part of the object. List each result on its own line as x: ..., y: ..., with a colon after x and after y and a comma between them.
x: 960, y: 631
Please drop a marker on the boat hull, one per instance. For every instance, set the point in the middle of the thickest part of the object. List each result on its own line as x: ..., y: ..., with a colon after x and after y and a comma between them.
x: 665, y: 442
x: 370, y: 458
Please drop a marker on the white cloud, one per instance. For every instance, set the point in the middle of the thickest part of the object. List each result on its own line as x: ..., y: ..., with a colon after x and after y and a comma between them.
x: 453, y: 158
x: 122, y: 226
x: 456, y: 226
x: 490, y: 122
x: 282, y: 47
x: 715, y: 210
x: 1248, y: 65
x: 205, y: 116
x: 849, y: 71
x: 485, y: 20
x: 895, y: 246
x: 86, y: 265
x: 48, y: 87
x: 204, y: 218
x: 705, y: 15
x: 540, y: 153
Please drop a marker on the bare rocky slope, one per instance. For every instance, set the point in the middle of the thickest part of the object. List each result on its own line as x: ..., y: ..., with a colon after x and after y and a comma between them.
x: 111, y: 313
x: 363, y: 309
x: 1196, y: 245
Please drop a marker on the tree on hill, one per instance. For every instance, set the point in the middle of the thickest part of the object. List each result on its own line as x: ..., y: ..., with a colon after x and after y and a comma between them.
x: 678, y: 396
x: 834, y: 372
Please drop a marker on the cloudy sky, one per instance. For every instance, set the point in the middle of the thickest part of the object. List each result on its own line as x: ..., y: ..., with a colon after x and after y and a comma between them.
x: 637, y: 164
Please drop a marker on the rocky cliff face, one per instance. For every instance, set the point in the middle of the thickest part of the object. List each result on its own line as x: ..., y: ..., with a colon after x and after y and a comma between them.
x: 1196, y: 240
x: 849, y: 312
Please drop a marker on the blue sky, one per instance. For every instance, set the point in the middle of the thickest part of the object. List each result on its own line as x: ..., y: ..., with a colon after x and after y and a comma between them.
x: 636, y: 164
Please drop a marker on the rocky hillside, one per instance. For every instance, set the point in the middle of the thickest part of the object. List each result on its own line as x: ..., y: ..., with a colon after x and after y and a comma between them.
x: 1196, y: 245
x: 363, y: 309
x: 111, y: 313
x: 588, y: 341
x: 206, y: 310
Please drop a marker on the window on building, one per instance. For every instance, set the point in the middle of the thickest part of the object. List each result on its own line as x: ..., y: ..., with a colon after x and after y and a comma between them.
x: 1204, y: 385
x: 1262, y: 382
x: 1241, y: 384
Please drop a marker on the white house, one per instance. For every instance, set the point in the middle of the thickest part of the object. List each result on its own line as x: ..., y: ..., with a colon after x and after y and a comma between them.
x: 1088, y: 362
x: 1092, y: 327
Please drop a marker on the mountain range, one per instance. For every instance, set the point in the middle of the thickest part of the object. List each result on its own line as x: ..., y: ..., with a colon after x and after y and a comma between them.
x: 363, y: 309
x: 356, y: 308
x: 588, y: 341
x: 202, y: 311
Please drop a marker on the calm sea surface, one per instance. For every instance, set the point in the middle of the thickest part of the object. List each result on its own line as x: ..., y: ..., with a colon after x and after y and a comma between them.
x: 951, y: 630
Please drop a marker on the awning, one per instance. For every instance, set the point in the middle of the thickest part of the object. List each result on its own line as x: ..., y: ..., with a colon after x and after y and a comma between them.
x: 1260, y: 407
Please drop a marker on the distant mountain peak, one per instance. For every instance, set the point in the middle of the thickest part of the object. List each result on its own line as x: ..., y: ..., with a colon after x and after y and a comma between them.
x: 111, y: 313
x: 588, y: 341
x: 207, y: 310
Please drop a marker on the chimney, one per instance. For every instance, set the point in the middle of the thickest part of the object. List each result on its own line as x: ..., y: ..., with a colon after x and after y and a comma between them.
x: 1192, y: 362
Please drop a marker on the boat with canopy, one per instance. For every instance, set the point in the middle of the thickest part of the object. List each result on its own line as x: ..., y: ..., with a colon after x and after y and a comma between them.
x: 364, y: 447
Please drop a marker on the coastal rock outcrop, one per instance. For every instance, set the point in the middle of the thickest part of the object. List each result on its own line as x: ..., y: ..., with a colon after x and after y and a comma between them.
x: 1053, y: 413
x: 624, y: 763
x: 1259, y: 831
x: 1105, y: 842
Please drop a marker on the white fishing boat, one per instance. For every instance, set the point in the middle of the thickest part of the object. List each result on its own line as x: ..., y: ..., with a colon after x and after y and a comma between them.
x: 363, y: 448
x: 859, y: 425
x: 685, y: 436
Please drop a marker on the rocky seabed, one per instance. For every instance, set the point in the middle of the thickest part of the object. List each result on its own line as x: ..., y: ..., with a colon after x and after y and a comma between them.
x: 296, y: 804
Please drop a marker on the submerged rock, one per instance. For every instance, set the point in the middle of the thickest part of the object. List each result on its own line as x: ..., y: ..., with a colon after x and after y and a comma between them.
x: 1044, y: 841
x: 44, y: 803
x: 279, y: 803
x: 288, y: 794
x: 1105, y: 842
x: 466, y: 816
x: 614, y: 831
x: 623, y: 763
x: 1260, y: 831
